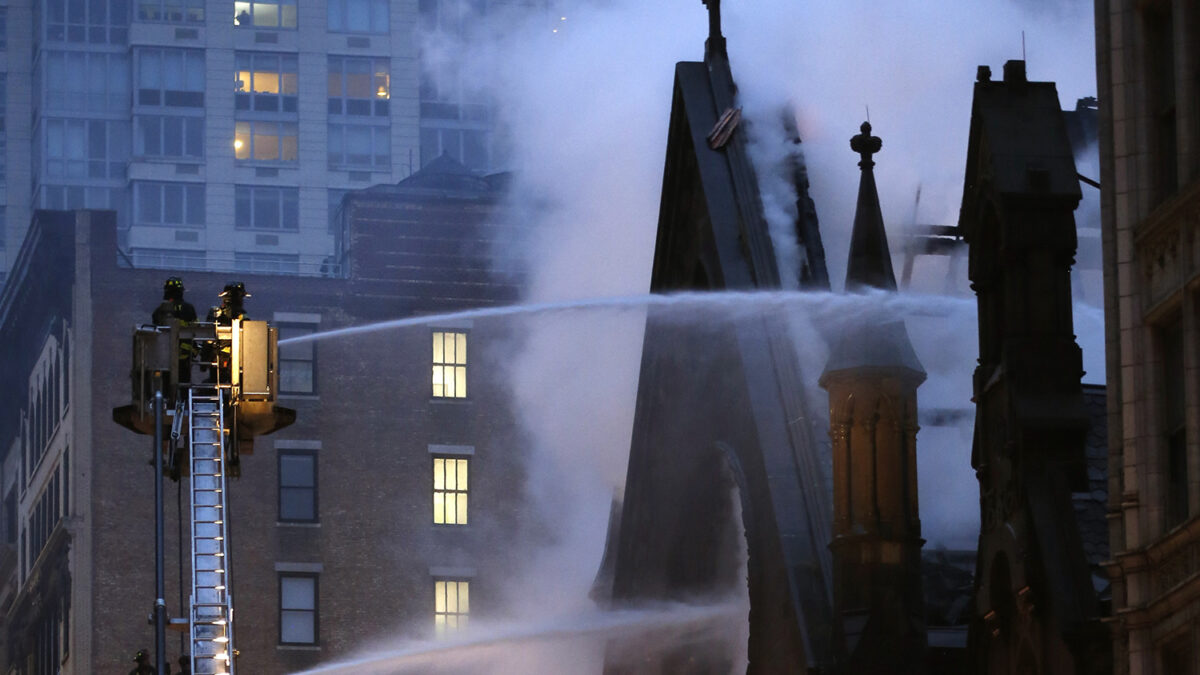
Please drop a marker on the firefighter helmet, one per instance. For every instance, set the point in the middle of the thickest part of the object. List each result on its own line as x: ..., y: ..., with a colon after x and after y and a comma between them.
x: 236, y: 289
x: 142, y: 655
x: 172, y: 287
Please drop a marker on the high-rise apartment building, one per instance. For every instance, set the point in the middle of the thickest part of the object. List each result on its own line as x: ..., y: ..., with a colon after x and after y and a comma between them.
x: 1148, y: 56
x: 224, y: 134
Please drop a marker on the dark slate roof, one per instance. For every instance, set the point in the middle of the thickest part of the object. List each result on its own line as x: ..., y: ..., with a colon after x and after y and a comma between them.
x: 444, y: 176
x: 1030, y: 151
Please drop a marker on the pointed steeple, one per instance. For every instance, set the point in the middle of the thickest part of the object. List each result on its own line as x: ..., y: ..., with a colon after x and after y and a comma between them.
x: 870, y: 261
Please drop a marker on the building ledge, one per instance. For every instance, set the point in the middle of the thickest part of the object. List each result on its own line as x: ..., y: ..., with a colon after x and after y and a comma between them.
x: 1176, y: 209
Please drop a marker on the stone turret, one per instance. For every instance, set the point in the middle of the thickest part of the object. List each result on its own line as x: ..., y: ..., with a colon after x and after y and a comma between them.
x: 872, y: 377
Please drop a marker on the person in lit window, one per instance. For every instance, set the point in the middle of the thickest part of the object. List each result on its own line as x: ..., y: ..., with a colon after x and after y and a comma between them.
x: 243, y: 18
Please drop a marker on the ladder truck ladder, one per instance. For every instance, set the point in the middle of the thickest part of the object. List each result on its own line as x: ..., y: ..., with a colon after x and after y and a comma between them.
x: 211, y: 614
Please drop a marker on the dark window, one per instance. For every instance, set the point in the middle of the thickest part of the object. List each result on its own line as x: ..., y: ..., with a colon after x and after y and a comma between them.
x: 1160, y: 27
x: 170, y: 77
x: 171, y: 11
x: 298, y: 361
x: 298, y: 486
x: 298, y: 596
x: 266, y: 208
x: 168, y: 204
x: 169, y: 136
x: 1174, y: 421
x: 358, y: 16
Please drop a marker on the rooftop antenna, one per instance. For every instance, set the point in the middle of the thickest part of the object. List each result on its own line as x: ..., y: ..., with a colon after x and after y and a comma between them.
x: 1022, y: 45
x: 868, y: 107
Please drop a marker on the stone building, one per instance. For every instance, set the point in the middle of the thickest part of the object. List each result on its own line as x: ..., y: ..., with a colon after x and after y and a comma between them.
x: 1148, y: 58
x: 336, y: 540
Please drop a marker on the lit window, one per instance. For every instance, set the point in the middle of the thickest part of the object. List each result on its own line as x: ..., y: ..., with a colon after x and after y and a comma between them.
x: 266, y: 82
x: 297, y: 362
x: 358, y: 16
x: 265, y: 141
x: 359, y: 86
x: 298, y: 609
x: 277, y: 14
x: 298, y: 486
x: 451, y: 604
x: 449, y: 365
x: 450, y: 491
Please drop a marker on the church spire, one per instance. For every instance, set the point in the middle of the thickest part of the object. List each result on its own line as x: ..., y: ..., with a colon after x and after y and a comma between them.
x: 870, y: 261
x: 716, y: 41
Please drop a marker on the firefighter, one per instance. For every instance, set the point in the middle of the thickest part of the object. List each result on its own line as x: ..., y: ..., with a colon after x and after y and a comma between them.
x: 174, y: 307
x: 185, y: 665
x: 231, y: 308
x: 142, y: 664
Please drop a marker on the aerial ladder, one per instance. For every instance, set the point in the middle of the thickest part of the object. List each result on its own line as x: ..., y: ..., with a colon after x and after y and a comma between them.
x: 211, y: 425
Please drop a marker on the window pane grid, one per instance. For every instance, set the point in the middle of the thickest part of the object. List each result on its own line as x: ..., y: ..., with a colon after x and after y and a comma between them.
x: 450, y: 491
x: 449, y: 364
x: 170, y: 77
x: 298, y: 609
x: 297, y: 486
x: 451, y: 604
x: 265, y: 141
x: 277, y: 14
x: 266, y: 83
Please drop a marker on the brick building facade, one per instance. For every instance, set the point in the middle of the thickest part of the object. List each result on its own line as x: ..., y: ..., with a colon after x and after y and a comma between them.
x: 334, y: 537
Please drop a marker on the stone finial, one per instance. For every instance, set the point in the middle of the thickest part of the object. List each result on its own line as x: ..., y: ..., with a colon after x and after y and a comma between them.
x: 866, y: 145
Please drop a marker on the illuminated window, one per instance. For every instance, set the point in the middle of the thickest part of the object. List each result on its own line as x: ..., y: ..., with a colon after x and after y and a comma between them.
x: 359, y: 86
x: 170, y: 77
x: 298, y: 609
x: 451, y: 604
x: 171, y: 11
x: 277, y: 14
x: 298, y: 486
x: 358, y: 16
x: 266, y: 82
x: 265, y: 141
x: 450, y: 490
x: 449, y: 365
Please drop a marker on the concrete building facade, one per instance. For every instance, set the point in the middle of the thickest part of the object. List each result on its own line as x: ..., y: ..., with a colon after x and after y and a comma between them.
x: 381, y: 513
x: 223, y: 133
x: 1148, y: 58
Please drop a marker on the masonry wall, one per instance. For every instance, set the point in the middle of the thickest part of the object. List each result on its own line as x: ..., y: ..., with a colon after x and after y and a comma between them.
x: 1148, y: 55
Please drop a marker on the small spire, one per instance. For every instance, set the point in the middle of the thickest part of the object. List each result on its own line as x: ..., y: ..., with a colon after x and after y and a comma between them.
x: 870, y: 261
x: 715, y: 44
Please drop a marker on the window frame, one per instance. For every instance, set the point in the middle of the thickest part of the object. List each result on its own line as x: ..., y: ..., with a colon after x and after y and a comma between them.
x: 342, y: 159
x: 158, y: 96
x: 188, y: 192
x: 262, y: 64
x: 249, y: 7
x: 249, y: 194
x: 341, y: 9
x: 464, y: 492
x: 247, y: 127
x: 315, y: 610
x: 461, y: 617
x: 190, y: 12
x: 464, y: 365
x: 284, y: 327
x: 281, y: 453
x: 187, y: 123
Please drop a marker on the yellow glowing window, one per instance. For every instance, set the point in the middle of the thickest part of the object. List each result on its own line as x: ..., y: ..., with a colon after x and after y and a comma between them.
x: 449, y: 491
x: 451, y: 604
x: 449, y: 365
